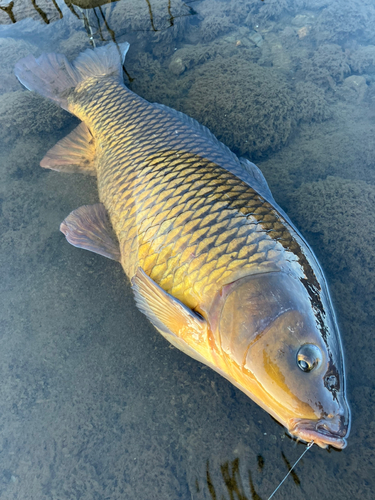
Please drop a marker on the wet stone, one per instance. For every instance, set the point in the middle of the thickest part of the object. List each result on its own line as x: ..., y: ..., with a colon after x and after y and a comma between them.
x: 357, y: 84
x: 257, y: 39
x: 177, y: 66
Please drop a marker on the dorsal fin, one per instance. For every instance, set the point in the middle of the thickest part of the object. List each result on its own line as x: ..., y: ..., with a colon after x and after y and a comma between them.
x: 242, y: 168
x: 201, y: 129
x: 256, y: 180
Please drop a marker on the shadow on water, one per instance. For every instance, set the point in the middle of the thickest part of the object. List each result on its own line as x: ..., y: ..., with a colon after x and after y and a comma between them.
x: 234, y: 484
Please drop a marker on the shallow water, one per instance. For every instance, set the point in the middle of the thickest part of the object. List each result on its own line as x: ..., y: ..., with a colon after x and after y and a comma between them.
x: 94, y: 403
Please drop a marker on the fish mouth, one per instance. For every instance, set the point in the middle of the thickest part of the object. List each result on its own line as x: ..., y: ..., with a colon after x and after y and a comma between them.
x: 324, y: 432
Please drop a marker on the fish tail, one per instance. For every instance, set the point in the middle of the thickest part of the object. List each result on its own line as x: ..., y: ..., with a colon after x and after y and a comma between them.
x: 53, y: 76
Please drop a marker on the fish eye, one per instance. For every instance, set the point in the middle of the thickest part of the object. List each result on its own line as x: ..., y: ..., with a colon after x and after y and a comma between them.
x: 308, y: 357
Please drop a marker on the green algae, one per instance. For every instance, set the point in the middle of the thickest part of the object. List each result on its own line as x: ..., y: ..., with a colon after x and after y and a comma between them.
x: 23, y: 113
x: 256, y: 101
x: 339, y: 211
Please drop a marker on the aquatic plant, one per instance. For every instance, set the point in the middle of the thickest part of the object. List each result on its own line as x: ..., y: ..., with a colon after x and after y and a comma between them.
x: 18, y: 112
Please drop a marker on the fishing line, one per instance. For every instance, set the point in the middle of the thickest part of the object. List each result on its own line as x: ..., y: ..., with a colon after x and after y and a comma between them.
x: 307, y: 448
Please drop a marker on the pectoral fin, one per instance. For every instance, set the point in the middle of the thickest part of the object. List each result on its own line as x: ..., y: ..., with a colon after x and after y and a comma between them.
x: 74, y: 153
x: 89, y: 227
x: 166, y: 313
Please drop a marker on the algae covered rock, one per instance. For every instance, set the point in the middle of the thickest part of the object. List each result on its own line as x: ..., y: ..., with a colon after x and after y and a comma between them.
x: 355, y: 88
x: 216, y: 19
x: 341, y: 214
x: 24, y: 113
x: 342, y: 21
x: 248, y: 107
x: 311, y: 104
x: 363, y: 59
x: 74, y: 45
x: 327, y: 66
x: 238, y: 42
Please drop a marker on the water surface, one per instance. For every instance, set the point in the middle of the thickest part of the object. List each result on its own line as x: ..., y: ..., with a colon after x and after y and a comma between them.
x: 94, y: 403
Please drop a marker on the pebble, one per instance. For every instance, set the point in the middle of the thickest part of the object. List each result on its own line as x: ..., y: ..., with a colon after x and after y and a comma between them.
x: 257, y: 39
x: 357, y: 83
x: 177, y: 66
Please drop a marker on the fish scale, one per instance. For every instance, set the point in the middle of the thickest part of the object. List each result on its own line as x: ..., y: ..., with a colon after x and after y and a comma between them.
x: 166, y: 200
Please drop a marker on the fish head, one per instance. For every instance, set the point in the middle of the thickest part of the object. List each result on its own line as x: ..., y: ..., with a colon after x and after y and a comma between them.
x: 284, y: 350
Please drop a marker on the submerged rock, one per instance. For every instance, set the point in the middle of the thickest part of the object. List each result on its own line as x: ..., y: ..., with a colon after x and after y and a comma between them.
x: 342, y: 21
x: 347, y: 241
x: 280, y: 57
x: 357, y: 85
x: 327, y: 66
x: 257, y: 39
x: 248, y: 107
x: 363, y: 59
x: 177, y: 65
x: 24, y: 113
x: 311, y: 104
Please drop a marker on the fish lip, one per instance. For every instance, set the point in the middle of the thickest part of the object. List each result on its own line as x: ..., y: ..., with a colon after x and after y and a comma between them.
x: 307, y: 430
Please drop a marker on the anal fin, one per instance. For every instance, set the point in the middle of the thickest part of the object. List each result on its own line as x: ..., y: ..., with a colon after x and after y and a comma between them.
x: 75, y: 153
x: 166, y: 313
x: 89, y: 227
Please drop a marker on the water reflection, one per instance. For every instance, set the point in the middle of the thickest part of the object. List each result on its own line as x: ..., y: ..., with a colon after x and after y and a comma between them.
x: 90, y: 12
x: 8, y: 9
x: 234, y: 484
x: 97, y: 26
x: 96, y: 23
x: 44, y: 10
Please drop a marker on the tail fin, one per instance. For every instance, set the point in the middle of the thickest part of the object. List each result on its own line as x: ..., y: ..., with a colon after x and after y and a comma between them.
x: 52, y: 75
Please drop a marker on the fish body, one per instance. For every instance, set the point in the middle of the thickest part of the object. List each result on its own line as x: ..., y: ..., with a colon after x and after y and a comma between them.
x: 173, y: 207
x: 214, y: 262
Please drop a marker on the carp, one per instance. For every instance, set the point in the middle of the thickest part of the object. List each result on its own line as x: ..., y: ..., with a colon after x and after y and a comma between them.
x: 215, y: 264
